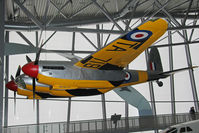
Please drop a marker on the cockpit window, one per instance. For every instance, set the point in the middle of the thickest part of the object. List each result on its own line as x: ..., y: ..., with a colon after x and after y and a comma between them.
x: 189, y: 129
x: 54, y: 67
x: 182, y: 130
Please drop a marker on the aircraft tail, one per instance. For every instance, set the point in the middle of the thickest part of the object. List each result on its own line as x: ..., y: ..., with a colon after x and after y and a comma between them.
x: 156, y: 69
x: 156, y: 76
x: 155, y: 63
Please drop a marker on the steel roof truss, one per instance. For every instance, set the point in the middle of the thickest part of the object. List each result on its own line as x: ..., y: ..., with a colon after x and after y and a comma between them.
x: 29, y: 14
x: 159, y: 5
x: 107, y: 15
x: 105, y: 43
x: 25, y: 39
x: 46, y: 11
x: 59, y: 11
x: 81, y: 9
x: 88, y: 40
x: 187, y: 13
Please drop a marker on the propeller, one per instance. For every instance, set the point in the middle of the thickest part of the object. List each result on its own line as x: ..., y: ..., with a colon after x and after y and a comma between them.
x: 31, y: 69
x: 11, y: 85
x: 15, y: 92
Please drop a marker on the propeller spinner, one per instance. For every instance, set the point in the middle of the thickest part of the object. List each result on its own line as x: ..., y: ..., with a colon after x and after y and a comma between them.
x: 11, y: 85
x: 31, y: 69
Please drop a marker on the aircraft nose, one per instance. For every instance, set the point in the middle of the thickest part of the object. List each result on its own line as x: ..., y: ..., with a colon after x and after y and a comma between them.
x: 12, y: 86
x: 31, y: 69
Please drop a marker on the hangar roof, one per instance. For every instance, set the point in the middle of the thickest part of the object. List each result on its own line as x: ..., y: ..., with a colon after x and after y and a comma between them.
x: 43, y: 14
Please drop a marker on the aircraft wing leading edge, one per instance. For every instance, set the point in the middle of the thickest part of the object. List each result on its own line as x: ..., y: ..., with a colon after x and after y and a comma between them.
x: 119, y: 53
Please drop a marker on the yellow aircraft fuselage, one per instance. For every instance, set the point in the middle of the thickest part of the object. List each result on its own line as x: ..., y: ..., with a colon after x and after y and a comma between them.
x: 101, y: 71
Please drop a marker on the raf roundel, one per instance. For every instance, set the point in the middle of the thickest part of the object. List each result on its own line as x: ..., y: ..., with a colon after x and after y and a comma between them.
x: 127, y: 76
x: 138, y: 35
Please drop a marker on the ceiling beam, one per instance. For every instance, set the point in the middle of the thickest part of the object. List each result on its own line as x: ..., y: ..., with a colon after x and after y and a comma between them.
x: 81, y: 9
x: 88, y: 40
x: 29, y: 14
x: 59, y: 11
x: 16, y: 48
x: 88, y: 21
x: 107, y: 15
x: 170, y: 17
x: 25, y: 39
x: 187, y: 13
x: 87, y: 30
x: 175, y: 44
x: 129, y: 7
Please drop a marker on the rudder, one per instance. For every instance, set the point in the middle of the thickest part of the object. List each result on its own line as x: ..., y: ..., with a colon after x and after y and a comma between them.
x: 155, y: 63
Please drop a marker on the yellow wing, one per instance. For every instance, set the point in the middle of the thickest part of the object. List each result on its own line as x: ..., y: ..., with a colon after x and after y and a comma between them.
x: 119, y: 53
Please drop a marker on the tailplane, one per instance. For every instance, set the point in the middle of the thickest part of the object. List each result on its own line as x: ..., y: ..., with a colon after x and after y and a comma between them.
x: 160, y: 75
x: 168, y: 73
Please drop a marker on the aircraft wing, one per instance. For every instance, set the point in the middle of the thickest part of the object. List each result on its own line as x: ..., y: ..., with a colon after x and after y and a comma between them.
x: 119, y: 53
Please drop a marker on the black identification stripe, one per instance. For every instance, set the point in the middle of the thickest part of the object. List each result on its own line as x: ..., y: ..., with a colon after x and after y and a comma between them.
x: 46, y: 95
x: 110, y: 67
x: 84, y: 92
x: 99, y: 63
x: 116, y: 83
x: 86, y: 59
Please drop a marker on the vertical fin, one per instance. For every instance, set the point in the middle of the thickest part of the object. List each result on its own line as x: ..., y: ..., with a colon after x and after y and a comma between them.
x: 155, y: 63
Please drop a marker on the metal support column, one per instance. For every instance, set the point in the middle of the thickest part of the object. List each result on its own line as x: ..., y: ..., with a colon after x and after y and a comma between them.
x: 6, y: 80
x: 104, y: 112
x: 69, y: 99
x: 68, y: 116
x: 151, y: 90
x: 98, y: 37
x: 37, y: 115
x: 37, y: 101
x: 152, y: 97
x: 73, y: 43
x: 103, y: 95
x: 37, y: 39
x: 2, y: 13
x: 102, y: 36
x: 191, y: 74
x: 173, y: 107
x: 126, y: 116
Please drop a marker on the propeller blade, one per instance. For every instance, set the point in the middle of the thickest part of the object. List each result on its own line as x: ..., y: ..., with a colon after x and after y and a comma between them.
x: 12, y: 78
x: 33, y: 89
x: 33, y: 85
x: 18, y: 71
x: 15, y: 102
x: 28, y: 59
x: 37, y: 58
